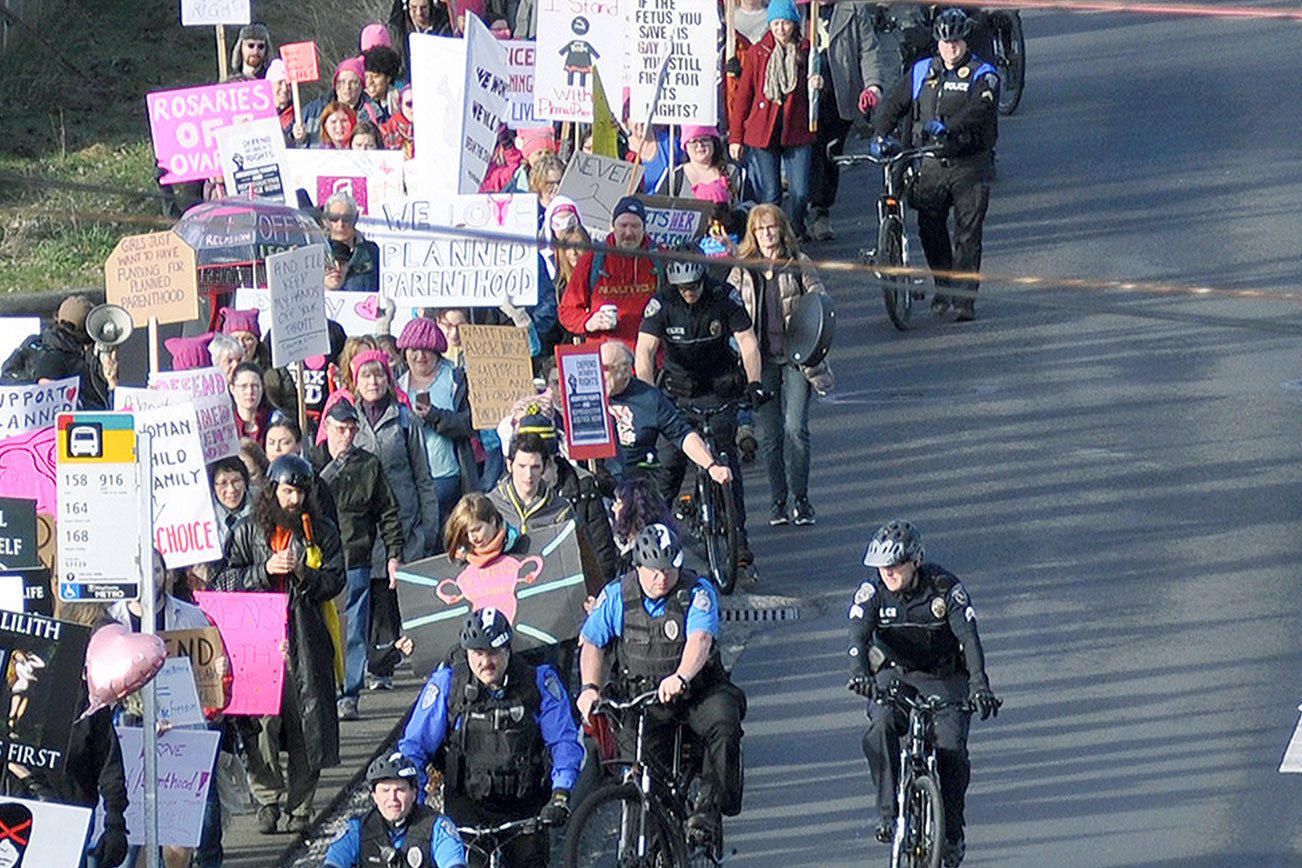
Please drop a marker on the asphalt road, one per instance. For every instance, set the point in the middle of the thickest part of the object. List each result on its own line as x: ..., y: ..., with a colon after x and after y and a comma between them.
x: 1114, y: 475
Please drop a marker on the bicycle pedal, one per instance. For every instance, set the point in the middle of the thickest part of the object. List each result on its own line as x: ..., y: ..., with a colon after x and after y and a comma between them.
x: 868, y: 255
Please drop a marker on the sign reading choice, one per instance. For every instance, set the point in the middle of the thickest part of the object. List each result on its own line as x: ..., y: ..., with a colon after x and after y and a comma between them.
x: 183, y: 124
x: 153, y: 275
x: 185, y: 527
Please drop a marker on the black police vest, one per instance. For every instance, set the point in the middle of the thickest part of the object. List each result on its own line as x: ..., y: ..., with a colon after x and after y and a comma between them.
x: 498, y: 752
x: 940, y: 96
x: 375, y: 838
x: 913, y: 632
x: 650, y: 649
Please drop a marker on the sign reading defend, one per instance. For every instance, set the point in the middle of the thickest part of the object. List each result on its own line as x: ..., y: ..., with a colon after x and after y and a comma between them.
x: 153, y: 275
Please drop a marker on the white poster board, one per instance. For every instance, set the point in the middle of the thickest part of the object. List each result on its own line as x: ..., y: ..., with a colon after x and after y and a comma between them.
x: 14, y: 330
x: 358, y: 313
x: 210, y: 395
x: 13, y: 594
x: 519, y: 64
x: 185, y: 525
x: 185, y: 766
x: 370, y: 177
x: 196, y: 13
x: 177, y: 694
x: 296, y: 281
x: 253, y: 160
x: 57, y: 834
x: 573, y: 37
x: 422, y: 264
x: 128, y: 399
x: 487, y: 103
x: 27, y: 408
x: 686, y: 33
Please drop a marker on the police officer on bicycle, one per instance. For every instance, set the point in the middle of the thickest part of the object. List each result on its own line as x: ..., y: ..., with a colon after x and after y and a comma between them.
x: 662, y: 623
x: 396, y: 831
x: 913, y: 622
x: 694, y: 319
x: 503, y: 733
x: 951, y: 101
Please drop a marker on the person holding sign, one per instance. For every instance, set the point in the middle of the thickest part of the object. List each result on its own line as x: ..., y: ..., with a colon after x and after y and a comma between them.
x: 707, y: 175
x: 63, y: 350
x: 347, y: 87
x: 251, y: 55
x: 284, y: 96
x: 362, y: 273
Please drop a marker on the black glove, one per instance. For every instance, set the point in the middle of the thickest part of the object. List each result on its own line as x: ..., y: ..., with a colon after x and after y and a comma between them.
x: 862, y: 684
x: 986, y: 702
x: 757, y: 394
x: 111, y: 851
x: 557, y: 811
x: 733, y: 67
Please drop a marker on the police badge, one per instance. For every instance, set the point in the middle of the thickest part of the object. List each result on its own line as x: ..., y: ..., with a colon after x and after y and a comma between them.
x: 938, y: 608
x: 865, y: 593
x: 671, y: 629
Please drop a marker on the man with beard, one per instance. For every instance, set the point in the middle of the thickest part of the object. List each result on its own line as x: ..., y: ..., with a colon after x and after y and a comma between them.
x: 286, y: 545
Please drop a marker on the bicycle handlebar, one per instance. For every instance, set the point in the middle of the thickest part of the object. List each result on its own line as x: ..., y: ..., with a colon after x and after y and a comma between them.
x: 524, y: 827
x: 908, y: 154
x: 651, y: 697
x: 715, y: 409
x: 894, y: 694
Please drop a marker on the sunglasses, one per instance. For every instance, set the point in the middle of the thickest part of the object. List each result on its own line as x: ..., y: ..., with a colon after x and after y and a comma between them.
x: 338, y: 218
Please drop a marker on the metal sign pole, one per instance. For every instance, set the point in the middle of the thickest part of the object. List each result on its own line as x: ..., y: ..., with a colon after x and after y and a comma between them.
x: 148, y: 607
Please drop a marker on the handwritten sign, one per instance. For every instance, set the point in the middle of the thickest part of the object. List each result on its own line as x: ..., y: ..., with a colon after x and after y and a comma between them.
x: 686, y: 34
x: 153, y: 275
x: 573, y: 38
x: 55, y: 835
x: 356, y: 312
x: 39, y: 658
x: 176, y: 693
x: 296, y: 281
x: 196, y: 13
x: 487, y: 103
x: 588, y: 432
x: 370, y: 177
x: 253, y: 159
x: 203, y: 648
x: 131, y: 398
x: 185, y: 771
x: 596, y: 184
x: 183, y: 124
x: 185, y: 526
x: 207, y: 391
x: 253, y: 627
x: 300, y: 61
x: 497, y: 369
x: 27, y: 408
x: 673, y: 222
x: 519, y: 91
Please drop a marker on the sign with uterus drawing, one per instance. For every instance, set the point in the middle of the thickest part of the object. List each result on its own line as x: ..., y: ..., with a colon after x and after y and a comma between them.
x: 537, y: 584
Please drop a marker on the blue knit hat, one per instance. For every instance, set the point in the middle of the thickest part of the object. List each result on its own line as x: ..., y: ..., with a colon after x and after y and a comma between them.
x: 783, y: 10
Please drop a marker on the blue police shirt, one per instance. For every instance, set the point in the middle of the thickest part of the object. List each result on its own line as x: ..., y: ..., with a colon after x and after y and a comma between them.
x: 606, y: 623
x: 444, y: 845
x: 428, y: 727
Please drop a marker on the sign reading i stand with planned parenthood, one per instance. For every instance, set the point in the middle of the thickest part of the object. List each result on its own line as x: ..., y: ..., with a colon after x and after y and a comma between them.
x: 98, y: 507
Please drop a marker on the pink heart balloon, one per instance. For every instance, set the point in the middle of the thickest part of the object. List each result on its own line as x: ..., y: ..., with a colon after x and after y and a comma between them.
x: 119, y: 662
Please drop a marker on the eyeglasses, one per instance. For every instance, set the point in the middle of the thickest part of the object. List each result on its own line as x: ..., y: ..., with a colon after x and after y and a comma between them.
x: 618, y: 366
x: 338, y: 218
x: 700, y: 143
x: 247, y: 386
x: 772, y: 227
x: 229, y: 483
x: 260, y: 46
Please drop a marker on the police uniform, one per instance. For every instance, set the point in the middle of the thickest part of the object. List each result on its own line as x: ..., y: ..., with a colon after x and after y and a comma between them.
x: 504, y: 751
x: 648, y: 637
x: 928, y: 637
x: 966, y: 100
x: 424, y: 838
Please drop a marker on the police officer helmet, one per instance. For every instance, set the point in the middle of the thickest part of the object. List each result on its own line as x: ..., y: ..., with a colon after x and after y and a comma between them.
x: 486, y: 630
x: 952, y: 25
x: 680, y: 272
x: 391, y: 767
x: 894, y: 543
x: 291, y: 470
x: 657, y: 548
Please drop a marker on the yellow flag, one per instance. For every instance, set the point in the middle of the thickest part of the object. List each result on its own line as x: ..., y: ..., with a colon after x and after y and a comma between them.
x: 605, y: 132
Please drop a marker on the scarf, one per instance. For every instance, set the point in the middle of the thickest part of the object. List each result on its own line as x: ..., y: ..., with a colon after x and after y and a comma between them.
x: 783, y: 71
x: 490, y: 551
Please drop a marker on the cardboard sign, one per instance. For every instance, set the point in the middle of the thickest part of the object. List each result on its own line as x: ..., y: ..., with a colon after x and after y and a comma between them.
x: 686, y: 34
x: 674, y: 222
x: 40, y: 660
x: 498, y: 371
x: 176, y: 693
x: 596, y: 184
x: 207, y: 390
x: 27, y: 408
x: 28, y: 468
x: 185, y: 771
x: 195, y: 13
x: 203, y: 648
x: 370, y: 177
x: 253, y: 160
x: 588, y: 432
x: 253, y: 628
x: 300, y: 61
x: 54, y: 837
x: 183, y: 124
x: 538, y: 586
x: 17, y: 533
x: 573, y: 38
x: 519, y: 91
x: 428, y: 256
x: 185, y: 525
x: 153, y: 275
x: 296, y: 283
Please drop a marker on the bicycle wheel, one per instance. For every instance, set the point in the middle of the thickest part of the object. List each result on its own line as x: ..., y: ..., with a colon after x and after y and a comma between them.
x: 895, y: 289
x: 1010, y: 57
x: 720, y: 532
x: 923, y: 835
x: 615, y: 828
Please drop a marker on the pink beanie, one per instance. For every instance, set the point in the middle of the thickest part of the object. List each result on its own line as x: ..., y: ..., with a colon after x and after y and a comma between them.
x: 354, y: 65
x: 692, y: 131
x: 423, y: 333
x: 535, y: 139
x: 276, y: 71
x: 190, y: 353
x: 375, y: 34
x: 368, y: 356
x: 464, y: 7
x: 240, y: 321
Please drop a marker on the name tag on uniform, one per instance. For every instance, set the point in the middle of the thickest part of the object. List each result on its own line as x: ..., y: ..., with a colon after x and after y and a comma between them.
x: 956, y: 85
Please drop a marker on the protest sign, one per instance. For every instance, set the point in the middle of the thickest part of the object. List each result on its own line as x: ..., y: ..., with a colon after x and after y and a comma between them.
x: 183, y: 124
x: 538, y: 587
x: 674, y: 222
x: 686, y: 34
x: 498, y: 371
x: 39, y: 658
x: 17, y: 533
x: 596, y: 184
x: 486, y: 104
x: 185, y: 771
x: 370, y: 177
x: 37, y: 599
x: 588, y: 432
x: 29, y: 469
x: 300, y: 61
x: 252, y: 627
x: 519, y: 91
x: 176, y: 693
x: 13, y: 597
x: 296, y: 284
x: 428, y: 256
x: 14, y: 330
x: 573, y: 38
x: 208, y: 392
x: 196, y: 13
x: 358, y: 313
x: 185, y: 526
x: 131, y: 398
x: 26, y: 408
x: 153, y: 275
x: 203, y: 648
x: 52, y: 835
x: 253, y: 160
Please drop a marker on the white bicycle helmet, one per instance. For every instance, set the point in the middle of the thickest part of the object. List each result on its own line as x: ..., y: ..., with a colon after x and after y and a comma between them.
x: 679, y: 272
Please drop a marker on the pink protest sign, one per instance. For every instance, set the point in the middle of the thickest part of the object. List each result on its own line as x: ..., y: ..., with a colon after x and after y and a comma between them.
x: 27, y: 468
x: 183, y: 122
x: 300, y: 61
x: 253, y: 627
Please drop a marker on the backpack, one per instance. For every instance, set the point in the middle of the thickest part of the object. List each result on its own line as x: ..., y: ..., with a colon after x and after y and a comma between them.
x: 20, y: 368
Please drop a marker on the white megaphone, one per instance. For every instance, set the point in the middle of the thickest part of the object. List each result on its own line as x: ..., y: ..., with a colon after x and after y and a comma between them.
x: 108, y: 325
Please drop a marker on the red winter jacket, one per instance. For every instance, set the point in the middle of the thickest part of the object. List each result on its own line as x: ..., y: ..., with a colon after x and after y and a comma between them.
x: 752, y: 116
x: 627, y: 282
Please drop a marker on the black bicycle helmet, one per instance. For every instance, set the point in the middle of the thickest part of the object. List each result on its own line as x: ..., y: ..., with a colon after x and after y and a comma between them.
x: 657, y: 547
x: 894, y: 543
x: 390, y: 767
x: 486, y: 630
x: 952, y: 25
x: 291, y: 470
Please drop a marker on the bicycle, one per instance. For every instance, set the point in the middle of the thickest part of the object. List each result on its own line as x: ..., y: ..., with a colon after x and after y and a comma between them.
x: 713, y: 515
x: 1009, y: 43
x: 639, y: 821
x: 899, y: 291
x: 498, y: 837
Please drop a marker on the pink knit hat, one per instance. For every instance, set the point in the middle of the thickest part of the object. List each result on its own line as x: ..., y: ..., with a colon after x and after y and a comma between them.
x: 190, y: 353
x: 240, y: 321
x: 475, y: 6
x: 423, y: 333
x: 276, y: 71
x: 693, y: 131
x: 354, y: 65
x: 375, y: 34
x: 535, y: 139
